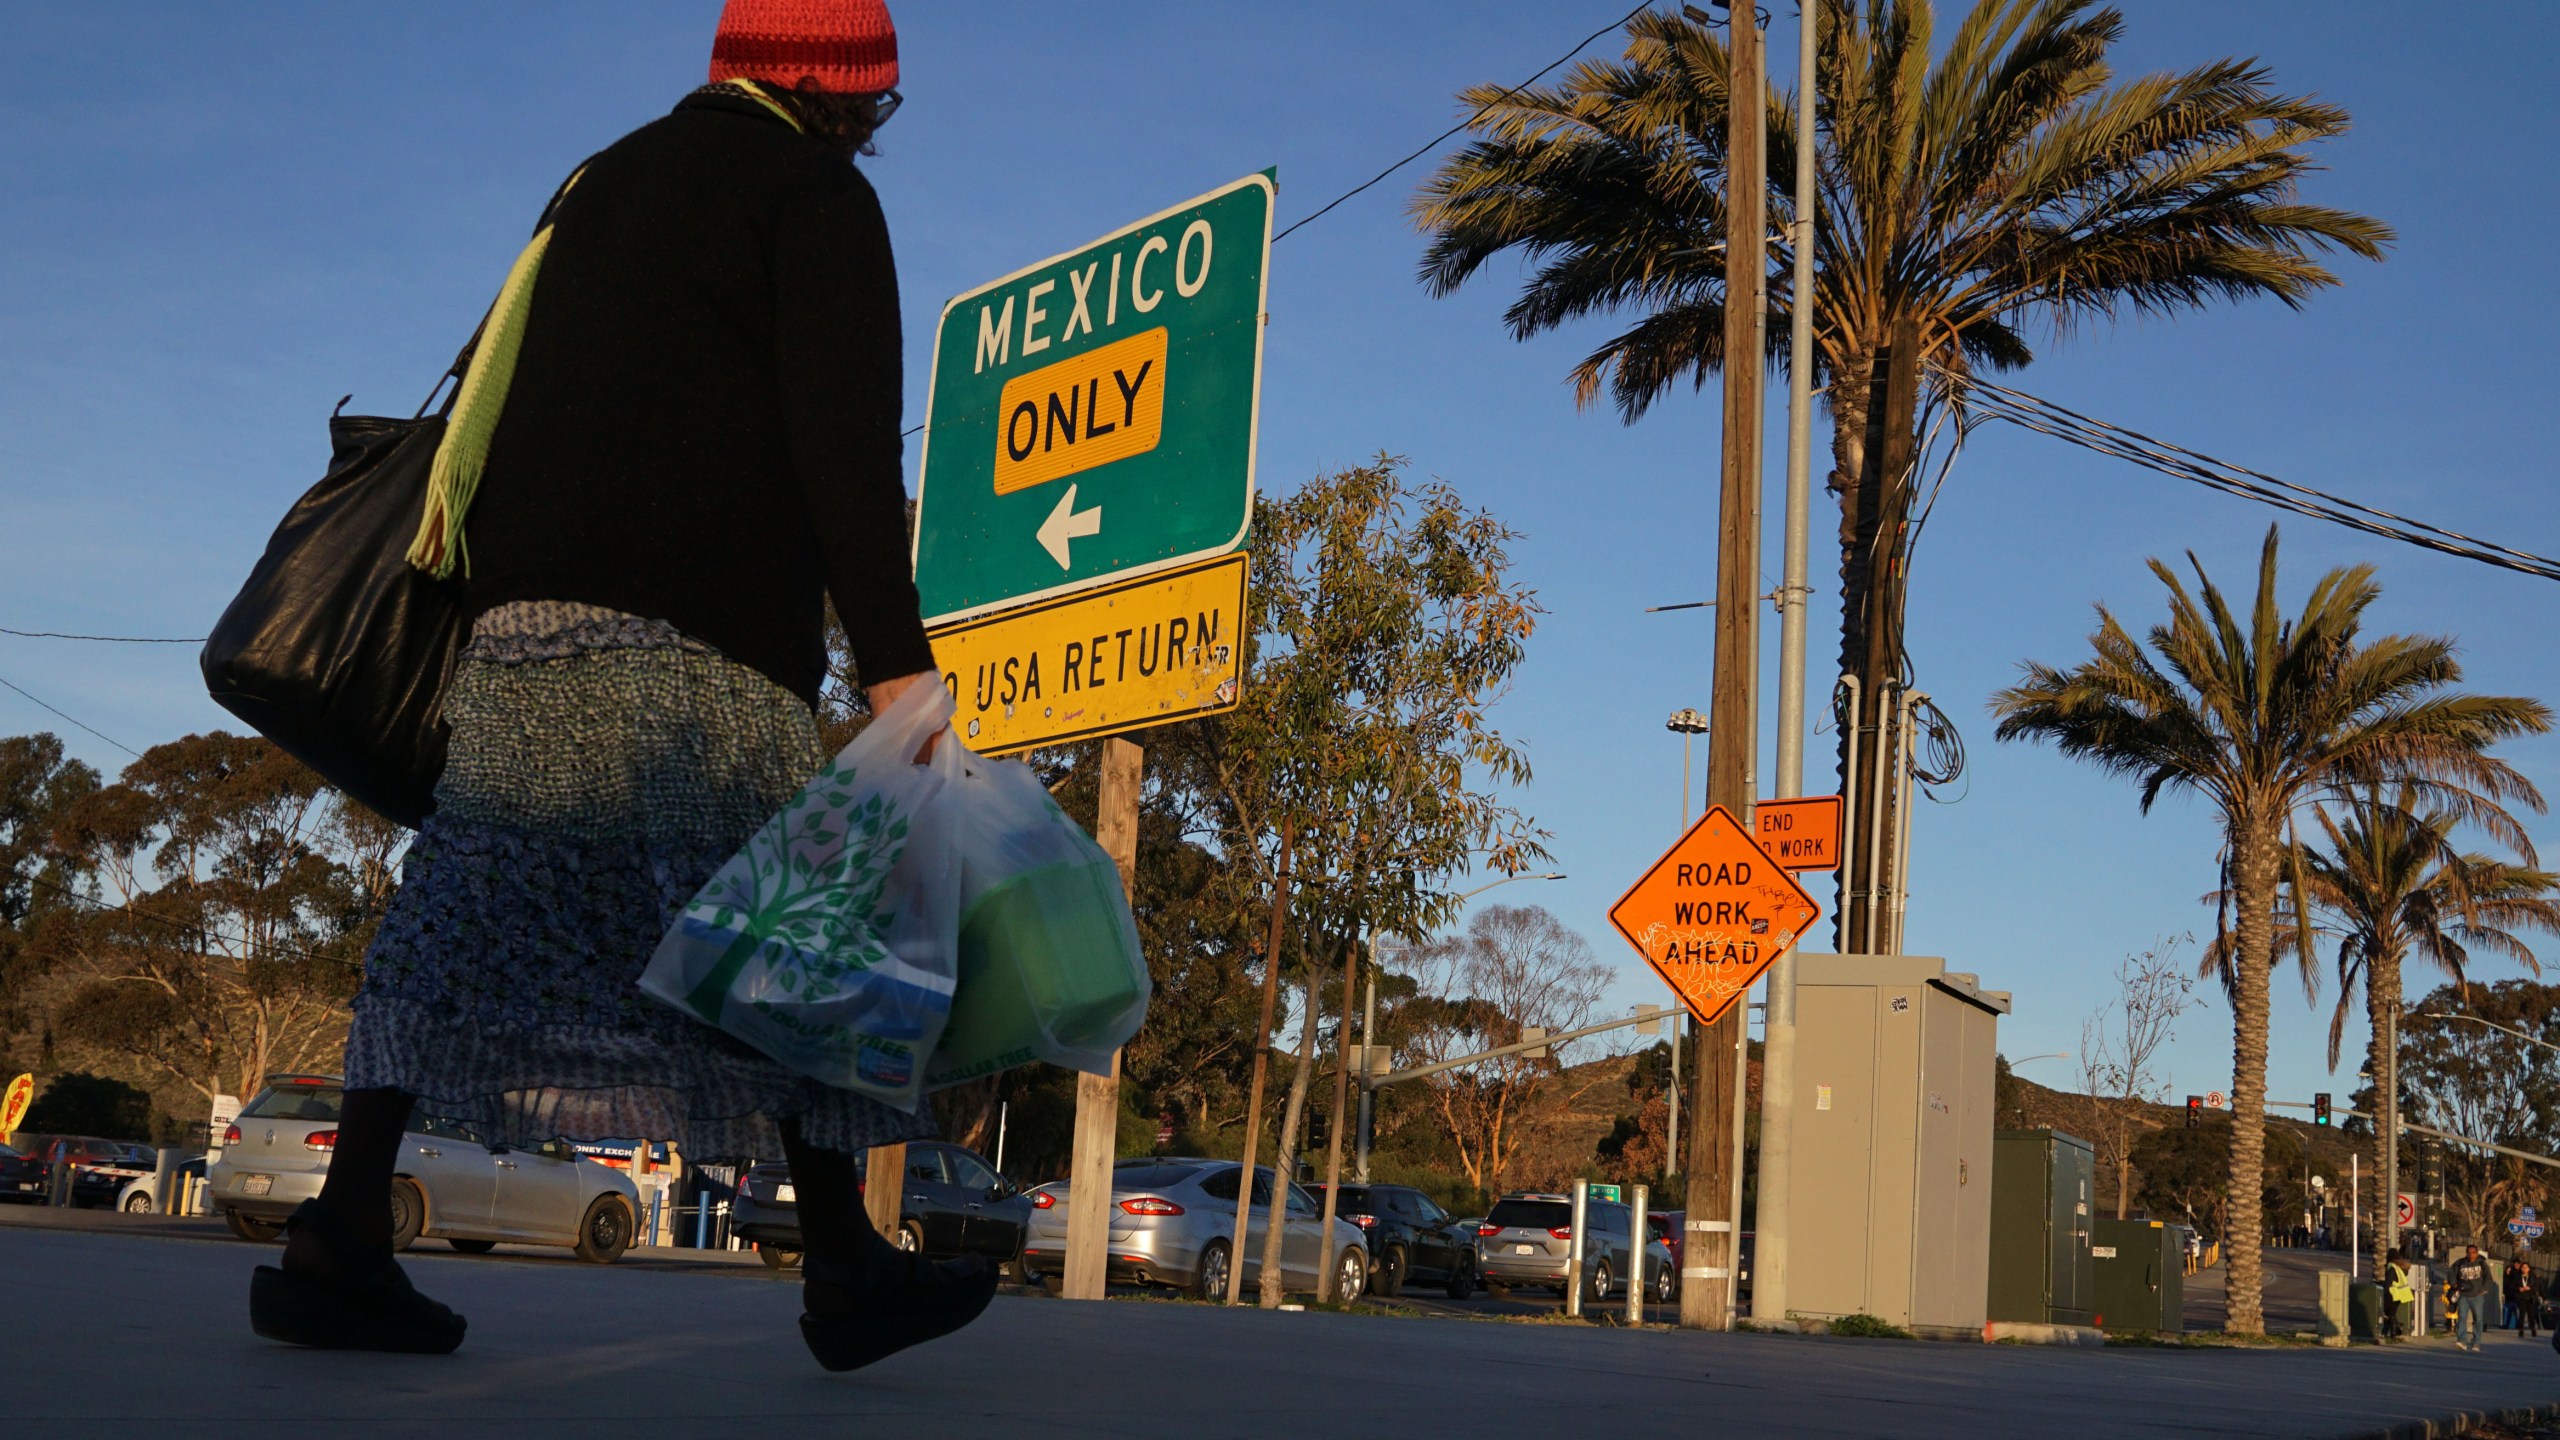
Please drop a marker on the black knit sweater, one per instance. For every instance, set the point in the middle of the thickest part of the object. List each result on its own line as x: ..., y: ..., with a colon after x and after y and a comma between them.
x: 703, y: 427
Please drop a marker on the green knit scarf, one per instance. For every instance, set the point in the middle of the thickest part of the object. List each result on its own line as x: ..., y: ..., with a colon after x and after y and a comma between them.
x: 464, y: 452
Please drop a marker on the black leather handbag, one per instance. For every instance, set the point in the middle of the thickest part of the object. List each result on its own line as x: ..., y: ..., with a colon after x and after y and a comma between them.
x: 337, y: 649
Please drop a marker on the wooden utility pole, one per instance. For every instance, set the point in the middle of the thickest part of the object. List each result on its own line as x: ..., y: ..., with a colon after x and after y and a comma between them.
x: 1708, y: 1249
x: 1261, y: 1063
x: 1885, y: 505
x: 1097, y: 1136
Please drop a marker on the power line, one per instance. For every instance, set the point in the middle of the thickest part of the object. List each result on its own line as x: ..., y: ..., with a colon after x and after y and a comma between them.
x: 109, y: 639
x: 2029, y: 412
x: 1585, y: 43
x: 110, y: 739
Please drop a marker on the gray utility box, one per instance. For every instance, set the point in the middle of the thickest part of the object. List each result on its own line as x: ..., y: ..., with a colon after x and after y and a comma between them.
x: 2140, y: 1269
x: 1891, y: 1178
x: 2040, y: 1262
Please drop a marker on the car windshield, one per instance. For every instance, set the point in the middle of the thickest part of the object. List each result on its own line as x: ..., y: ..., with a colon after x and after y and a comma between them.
x: 1531, y: 1214
x: 294, y: 1102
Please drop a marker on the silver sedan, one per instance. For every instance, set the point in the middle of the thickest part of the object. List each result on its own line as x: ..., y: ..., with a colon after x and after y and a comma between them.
x: 1173, y: 1224
x: 447, y: 1184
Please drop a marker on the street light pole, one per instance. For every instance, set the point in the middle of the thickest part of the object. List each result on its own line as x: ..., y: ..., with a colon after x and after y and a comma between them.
x: 1369, y: 1037
x: 1778, y: 1020
x: 1690, y: 725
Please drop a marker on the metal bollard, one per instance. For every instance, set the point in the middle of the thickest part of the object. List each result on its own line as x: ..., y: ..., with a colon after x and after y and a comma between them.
x: 1573, y: 1251
x: 164, y: 1174
x: 702, y: 1223
x: 58, y: 1184
x: 1639, y: 1238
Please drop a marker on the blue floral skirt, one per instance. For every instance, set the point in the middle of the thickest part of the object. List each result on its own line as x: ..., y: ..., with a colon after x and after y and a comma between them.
x: 601, y: 768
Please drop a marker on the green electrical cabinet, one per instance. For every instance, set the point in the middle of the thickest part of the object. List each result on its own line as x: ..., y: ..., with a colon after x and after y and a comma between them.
x: 2140, y: 1272
x: 2040, y: 1192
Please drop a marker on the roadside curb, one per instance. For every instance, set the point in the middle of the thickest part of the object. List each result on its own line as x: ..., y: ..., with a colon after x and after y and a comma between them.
x: 2448, y: 1427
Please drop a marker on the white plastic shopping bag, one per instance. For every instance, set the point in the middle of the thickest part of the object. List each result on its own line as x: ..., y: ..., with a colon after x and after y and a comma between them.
x: 830, y: 941
x: 1049, y: 962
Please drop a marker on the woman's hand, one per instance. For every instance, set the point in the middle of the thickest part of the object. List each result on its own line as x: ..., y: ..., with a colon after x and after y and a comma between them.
x: 886, y: 693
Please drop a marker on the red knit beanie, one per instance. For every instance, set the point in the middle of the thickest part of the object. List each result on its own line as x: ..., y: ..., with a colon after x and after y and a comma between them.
x: 846, y: 46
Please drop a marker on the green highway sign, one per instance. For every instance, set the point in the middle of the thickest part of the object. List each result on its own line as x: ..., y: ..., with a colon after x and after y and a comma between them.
x: 1092, y: 417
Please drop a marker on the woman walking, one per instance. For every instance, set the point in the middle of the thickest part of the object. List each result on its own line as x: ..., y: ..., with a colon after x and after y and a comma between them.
x: 2524, y: 1299
x: 679, y: 437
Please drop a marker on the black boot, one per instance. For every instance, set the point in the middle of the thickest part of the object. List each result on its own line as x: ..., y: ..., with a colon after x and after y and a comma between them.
x: 891, y: 1300
x: 371, y: 1307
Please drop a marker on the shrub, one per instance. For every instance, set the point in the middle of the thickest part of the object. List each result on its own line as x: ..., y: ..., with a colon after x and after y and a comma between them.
x: 1868, y: 1327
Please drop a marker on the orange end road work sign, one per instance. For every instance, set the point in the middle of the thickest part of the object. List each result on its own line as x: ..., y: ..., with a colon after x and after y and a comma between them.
x: 1800, y: 834
x: 1713, y: 913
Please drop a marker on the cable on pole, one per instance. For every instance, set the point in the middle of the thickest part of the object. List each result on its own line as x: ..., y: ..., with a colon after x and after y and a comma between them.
x: 106, y: 639
x: 101, y: 734
x: 2029, y: 412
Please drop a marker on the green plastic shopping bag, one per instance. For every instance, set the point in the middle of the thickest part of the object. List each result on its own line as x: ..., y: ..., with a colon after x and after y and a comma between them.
x: 1049, y: 962
x: 830, y: 942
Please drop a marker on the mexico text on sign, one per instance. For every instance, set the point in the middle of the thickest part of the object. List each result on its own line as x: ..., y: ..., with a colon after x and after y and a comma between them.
x: 1163, y: 647
x: 1713, y: 913
x: 1800, y: 834
x: 1092, y: 417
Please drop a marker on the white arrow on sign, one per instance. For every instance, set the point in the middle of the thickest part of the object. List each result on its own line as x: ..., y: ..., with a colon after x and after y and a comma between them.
x: 1068, y: 523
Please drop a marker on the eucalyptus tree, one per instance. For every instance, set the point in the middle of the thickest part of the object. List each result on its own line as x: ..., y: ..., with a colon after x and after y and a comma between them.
x: 2262, y: 715
x: 1385, y: 624
x: 1971, y: 192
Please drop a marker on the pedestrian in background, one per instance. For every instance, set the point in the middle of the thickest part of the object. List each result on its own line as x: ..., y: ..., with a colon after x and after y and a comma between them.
x: 2404, y: 1296
x: 2524, y: 1298
x: 678, y: 439
x: 2474, y: 1287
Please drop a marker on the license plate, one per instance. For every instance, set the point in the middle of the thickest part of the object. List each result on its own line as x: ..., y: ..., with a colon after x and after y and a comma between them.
x: 1524, y: 1249
x: 785, y: 1195
x: 257, y: 1184
x: 30, y: 1184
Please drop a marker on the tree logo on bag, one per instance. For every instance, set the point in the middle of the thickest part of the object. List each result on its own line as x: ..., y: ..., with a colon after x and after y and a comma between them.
x: 787, y: 905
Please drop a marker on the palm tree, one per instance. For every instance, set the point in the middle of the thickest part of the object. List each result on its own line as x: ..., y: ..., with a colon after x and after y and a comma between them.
x: 2262, y: 715
x: 2393, y: 885
x: 2013, y: 183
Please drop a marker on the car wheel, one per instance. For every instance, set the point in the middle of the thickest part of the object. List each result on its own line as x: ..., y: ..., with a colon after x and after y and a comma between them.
x: 257, y: 1231
x: 1664, y: 1286
x: 1351, y: 1276
x: 408, y: 1213
x: 1462, y: 1281
x: 473, y: 1247
x: 778, y: 1257
x: 138, y: 1203
x: 1389, y: 1279
x: 911, y: 1237
x: 1603, y: 1280
x: 604, y: 1232
x: 1209, y: 1277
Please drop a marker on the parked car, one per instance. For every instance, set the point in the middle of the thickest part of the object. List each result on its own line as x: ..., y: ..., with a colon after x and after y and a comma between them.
x: 448, y: 1184
x: 99, y: 1167
x: 135, y: 1197
x: 955, y: 1204
x: 22, y: 1177
x: 1527, y: 1239
x: 1411, y: 1239
x: 1175, y: 1228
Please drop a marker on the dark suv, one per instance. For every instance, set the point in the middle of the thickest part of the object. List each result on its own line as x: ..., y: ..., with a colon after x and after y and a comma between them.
x: 1410, y: 1238
x: 956, y: 1204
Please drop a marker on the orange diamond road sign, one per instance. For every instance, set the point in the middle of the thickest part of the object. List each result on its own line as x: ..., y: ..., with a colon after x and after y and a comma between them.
x: 1713, y: 913
x: 1800, y: 834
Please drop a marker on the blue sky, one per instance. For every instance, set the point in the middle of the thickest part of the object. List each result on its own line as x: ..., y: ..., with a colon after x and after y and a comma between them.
x: 220, y: 219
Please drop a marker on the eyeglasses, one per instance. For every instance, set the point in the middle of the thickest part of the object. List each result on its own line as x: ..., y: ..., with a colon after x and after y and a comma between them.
x: 886, y: 104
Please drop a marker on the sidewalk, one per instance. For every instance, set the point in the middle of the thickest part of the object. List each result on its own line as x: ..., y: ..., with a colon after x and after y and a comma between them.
x: 559, y: 1350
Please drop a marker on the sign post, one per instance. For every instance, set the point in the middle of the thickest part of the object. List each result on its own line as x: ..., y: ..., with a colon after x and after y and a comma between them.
x: 1087, y: 489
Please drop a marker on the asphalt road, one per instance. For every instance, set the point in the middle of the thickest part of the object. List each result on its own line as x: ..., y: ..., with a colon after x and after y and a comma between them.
x: 558, y: 1349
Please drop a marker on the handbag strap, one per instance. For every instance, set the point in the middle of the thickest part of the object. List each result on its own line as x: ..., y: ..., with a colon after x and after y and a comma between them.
x: 461, y: 365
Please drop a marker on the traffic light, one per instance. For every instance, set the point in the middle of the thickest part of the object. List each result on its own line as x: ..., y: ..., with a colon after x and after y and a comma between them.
x: 2195, y: 1111
x: 2320, y: 1108
x: 2431, y: 1165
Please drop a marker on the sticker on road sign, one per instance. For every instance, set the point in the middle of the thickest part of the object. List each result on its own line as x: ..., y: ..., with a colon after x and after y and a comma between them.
x: 1800, y: 834
x: 1146, y: 652
x: 1712, y: 914
x: 1092, y: 418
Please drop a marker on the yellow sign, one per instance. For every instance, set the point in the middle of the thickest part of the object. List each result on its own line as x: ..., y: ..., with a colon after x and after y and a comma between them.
x: 1089, y: 410
x: 13, y: 1104
x: 1713, y: 913
x: 1148, y: 652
